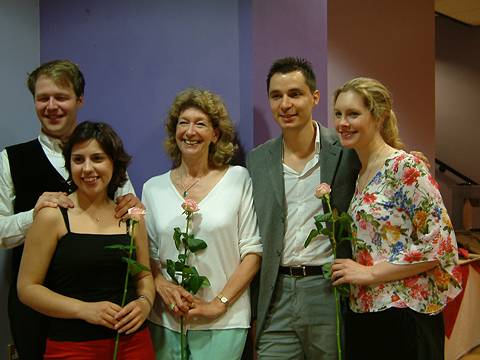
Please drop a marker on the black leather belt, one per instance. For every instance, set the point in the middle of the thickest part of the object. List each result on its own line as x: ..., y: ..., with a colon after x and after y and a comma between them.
x: 300, y: 270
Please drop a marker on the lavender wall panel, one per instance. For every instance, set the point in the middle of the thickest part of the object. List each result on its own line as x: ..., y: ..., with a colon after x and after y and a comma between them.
x: 137, y: 55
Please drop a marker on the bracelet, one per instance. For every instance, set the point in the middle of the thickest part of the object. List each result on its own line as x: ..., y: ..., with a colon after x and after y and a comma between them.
x: 143, y: 297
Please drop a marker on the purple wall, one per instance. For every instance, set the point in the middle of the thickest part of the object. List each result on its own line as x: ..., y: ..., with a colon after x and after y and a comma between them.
x: 137, y: 55
x: 284, y: 28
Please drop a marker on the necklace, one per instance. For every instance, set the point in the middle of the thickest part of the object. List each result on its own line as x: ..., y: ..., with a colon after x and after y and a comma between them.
x: 186, y: 189
x: 94, y: 217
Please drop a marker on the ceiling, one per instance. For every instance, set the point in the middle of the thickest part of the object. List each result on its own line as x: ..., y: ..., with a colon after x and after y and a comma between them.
x: 465, y: 11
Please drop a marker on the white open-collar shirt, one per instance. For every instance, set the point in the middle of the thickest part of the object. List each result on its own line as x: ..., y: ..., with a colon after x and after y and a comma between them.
x: 302, y: 206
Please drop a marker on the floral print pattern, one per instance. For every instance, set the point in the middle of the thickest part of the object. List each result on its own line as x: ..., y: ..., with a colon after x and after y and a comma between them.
x: 399, y: 217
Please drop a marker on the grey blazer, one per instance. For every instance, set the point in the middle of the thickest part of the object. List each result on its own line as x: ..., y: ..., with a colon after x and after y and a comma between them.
x: 339, y: 168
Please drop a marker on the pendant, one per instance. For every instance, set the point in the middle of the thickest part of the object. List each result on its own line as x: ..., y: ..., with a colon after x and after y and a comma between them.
x: 185, y: 194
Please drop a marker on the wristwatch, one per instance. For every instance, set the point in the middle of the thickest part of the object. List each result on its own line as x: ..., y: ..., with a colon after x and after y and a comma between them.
x: 223, y: 299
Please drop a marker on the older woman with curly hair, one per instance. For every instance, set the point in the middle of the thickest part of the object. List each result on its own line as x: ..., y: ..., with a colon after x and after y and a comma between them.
x: 201, y: 144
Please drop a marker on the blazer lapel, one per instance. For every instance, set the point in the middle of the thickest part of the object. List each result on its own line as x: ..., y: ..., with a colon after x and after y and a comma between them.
x: 275, y: 170
x: 329, y: 158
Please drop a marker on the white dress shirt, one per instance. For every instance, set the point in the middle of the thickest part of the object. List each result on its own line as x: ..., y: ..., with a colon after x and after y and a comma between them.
x: 302, y: 206
x: 13, y: 227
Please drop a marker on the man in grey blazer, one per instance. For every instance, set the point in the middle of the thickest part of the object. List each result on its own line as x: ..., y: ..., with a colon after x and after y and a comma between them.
x: 296, y: 308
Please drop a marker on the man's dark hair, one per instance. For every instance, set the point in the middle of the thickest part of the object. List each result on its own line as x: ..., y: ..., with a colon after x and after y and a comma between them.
x: 110, y: 142
x: 289, y: 64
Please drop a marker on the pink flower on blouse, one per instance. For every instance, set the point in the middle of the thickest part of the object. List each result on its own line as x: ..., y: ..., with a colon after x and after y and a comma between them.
x: 369, y: 198
x: 457, y: 273
x: 397, y: 162
x: 410, y: 282
x: 413, y: 256
x: 433, y: 181
x: 364, y: 258
x: 410, y: 176
x: 365, y: 298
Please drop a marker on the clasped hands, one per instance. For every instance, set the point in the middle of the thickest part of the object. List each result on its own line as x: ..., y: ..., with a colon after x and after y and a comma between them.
x: 124, y: 320
x: 182, y: 303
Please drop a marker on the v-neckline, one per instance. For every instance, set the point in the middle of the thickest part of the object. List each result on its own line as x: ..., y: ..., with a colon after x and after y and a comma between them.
x: 207, y: 195
x: 380, y: 169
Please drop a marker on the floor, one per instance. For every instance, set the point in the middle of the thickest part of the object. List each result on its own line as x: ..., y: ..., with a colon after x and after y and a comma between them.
x: 472, y: 355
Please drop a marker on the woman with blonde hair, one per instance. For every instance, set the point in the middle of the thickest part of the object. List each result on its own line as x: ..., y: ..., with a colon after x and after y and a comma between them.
x: 404, y: 256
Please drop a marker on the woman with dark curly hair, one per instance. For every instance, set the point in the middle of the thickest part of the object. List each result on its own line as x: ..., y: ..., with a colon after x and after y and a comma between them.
x: 68, y: 274
x: 201, y: 144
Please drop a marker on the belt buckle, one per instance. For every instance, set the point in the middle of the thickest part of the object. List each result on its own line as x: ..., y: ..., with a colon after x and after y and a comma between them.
x: 296, y: 274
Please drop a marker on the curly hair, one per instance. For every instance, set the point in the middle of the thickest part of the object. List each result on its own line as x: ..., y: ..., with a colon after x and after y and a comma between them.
x: 290, y: 64
x: 378, y: 101
x: 62, y: 72
x: 221, y: 152
x: 110, y: 142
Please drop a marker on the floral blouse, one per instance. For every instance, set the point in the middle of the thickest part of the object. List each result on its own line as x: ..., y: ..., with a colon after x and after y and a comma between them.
x: 399, y: 217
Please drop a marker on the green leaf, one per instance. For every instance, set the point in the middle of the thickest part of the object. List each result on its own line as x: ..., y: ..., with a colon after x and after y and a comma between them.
x: 325, y: 231
x: 134, y: 266
x: 327, y: 270
x: 180, y: 266
x: 195, y: 245
x: 177, y: 237
x: 311, y: 236
x: 120, y: 247
x: 346, y: 238
x: 205, y: 282
x: 323, y: 217
x: 171, y: 271
x: 345, y: 217
x: 182, y: 257
x: 344, y: 290
x: 318, y: 225
x: 195, y: 283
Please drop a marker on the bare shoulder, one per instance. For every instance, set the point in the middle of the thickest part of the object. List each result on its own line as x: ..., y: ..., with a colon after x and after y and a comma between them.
x: 48, y: 217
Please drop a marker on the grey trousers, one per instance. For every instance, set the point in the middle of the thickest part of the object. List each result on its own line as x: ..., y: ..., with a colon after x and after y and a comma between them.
x: 300, y: 323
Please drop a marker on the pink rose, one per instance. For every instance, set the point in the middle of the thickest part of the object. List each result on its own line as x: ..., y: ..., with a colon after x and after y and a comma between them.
x: 322, y: 190
x: 190, y: 205
x: 136, y: 213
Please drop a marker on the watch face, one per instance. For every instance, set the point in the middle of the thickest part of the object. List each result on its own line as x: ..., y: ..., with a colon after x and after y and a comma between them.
x: 224, y: 300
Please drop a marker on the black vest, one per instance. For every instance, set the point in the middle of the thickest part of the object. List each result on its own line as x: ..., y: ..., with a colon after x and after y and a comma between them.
x: 32, y: 175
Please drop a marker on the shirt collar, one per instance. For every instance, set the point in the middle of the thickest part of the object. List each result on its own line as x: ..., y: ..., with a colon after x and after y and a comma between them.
x: 317, y: 138
x: 52, y: 144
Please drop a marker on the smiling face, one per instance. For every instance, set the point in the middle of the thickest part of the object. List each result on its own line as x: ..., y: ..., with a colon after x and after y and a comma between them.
x: 91, y: 168
x: 194, y: 134
x: 56, y: 107
x: 291, y: 100
x: 354, y: 122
